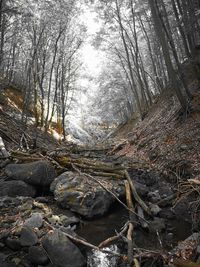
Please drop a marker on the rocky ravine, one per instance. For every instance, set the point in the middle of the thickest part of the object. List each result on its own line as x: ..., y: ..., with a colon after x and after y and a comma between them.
x: 31, y: 234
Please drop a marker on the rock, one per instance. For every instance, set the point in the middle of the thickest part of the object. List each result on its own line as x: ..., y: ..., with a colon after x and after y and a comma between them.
x: 155, y: 209
x: 154, y: 196
x: 66, y: 221
x: 158, y: 224
x: 13, y: 244
x: 167, y: 214
x: 54, y: 219
x: 35, y: 221
x: 16, y: 188
x: 36, y: 173
x: 72, y: 191
x: 37, y: 256
x: 28, y: 237
x: 61, y: 251
x: 141, y: 189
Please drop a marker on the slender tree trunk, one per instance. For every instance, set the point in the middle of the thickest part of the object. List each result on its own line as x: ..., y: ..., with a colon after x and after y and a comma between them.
x: 128, y: 56
x: 161, y: 36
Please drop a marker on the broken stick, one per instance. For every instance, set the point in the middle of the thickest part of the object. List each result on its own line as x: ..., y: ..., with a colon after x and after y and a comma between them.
x: 135, y: 194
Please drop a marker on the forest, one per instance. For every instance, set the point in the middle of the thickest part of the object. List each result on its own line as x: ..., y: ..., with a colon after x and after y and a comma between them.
x: 99, y: 133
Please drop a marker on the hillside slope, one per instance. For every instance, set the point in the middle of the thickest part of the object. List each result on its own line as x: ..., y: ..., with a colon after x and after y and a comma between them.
x: 165, y: 140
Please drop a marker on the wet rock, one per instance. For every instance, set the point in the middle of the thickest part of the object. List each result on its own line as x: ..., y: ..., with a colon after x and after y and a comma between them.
x: 16, y: 188
x: 36, y: 173
x: 158, y: 224
x: 62, y: 252
x: 13, y: 243
x: 28, y: 237
x: 37, y: 256
x: 72, y: 191
x: 35, y: 221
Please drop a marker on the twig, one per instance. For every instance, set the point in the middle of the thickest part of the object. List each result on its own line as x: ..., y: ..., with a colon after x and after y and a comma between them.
x: 106, y: 242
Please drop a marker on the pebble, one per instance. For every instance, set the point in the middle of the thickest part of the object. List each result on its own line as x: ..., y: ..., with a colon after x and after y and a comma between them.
x: 35, y: 221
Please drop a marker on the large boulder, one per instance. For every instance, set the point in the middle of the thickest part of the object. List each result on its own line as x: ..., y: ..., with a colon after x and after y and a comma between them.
x: 61, y: 251
x: 39, y: 173
x: 83, y: 195
x: 16, y: 188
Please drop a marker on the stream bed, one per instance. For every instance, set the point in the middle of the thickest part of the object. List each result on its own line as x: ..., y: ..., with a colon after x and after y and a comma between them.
x: 98, y: 230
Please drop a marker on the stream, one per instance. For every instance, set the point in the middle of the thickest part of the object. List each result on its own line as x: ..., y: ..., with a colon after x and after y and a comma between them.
x: 98, y: 230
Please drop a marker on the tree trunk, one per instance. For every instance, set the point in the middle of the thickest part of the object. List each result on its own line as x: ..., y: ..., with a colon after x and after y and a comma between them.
x: 161, y: 36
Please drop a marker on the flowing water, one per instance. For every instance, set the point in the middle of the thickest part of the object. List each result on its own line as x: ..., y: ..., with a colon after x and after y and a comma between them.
x: 98, y: 230
x: 101, y: 259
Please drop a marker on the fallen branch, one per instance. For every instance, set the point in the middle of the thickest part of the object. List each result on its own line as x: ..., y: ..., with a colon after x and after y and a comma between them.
x: 131, y: 226
x: 135, y: 194
x: 83, y: 242
x: 109, y: 240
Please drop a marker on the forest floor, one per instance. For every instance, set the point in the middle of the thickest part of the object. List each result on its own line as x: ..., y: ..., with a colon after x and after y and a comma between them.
x: 166, y: 140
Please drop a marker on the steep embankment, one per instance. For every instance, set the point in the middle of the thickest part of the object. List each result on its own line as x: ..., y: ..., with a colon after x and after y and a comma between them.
x: 165, y: 139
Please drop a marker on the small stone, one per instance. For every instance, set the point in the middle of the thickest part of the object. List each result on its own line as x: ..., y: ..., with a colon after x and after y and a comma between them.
x: 28, y: 237
x: 13, y: 244
x: 66, y: 221
x: 154, y: 208
x: 154, y: 197
x: 38, y: 256
x: 55, y: 219
x: 158, y: 224
x: 36, y: 221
